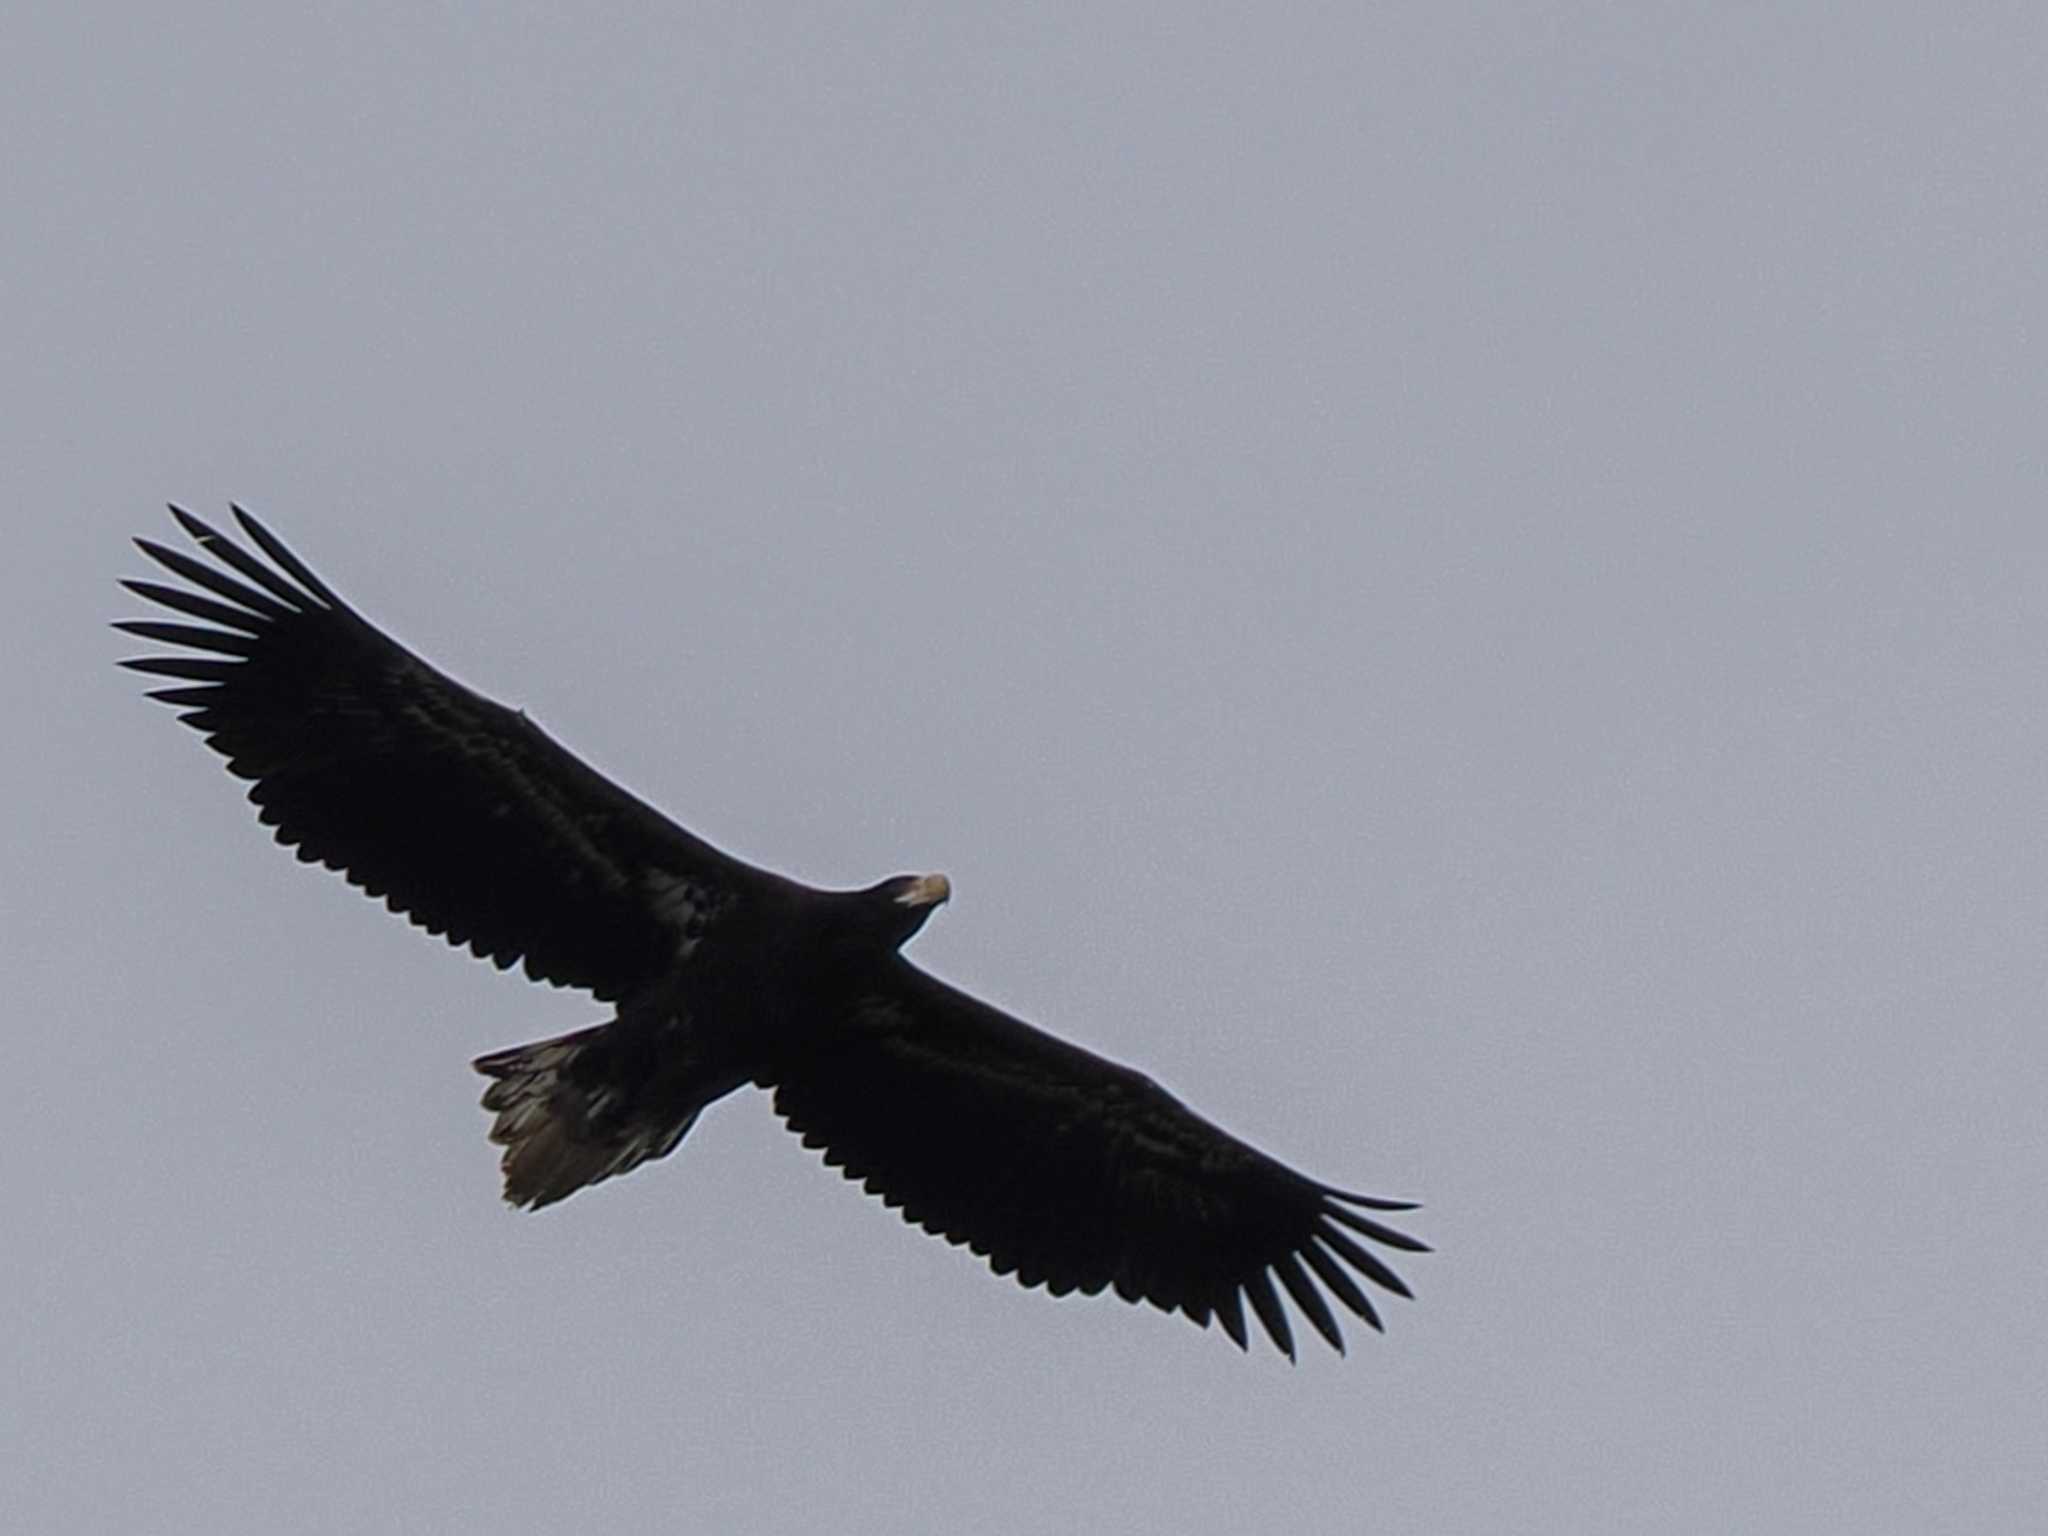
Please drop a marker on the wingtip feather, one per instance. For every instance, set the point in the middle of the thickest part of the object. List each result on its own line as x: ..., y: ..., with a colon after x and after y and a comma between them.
x: 1310, y: 1300
x: 276, y: 548
x: 1374, y: 1230
x: 1367, y: 1263
x: 192, y: 525
x: 1266, y: 1303
x: 1370, y: 1202
x: 1230, y: 1313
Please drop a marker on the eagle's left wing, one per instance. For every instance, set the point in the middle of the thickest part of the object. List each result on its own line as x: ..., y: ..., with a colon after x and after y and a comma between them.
x: 1070, y: 1171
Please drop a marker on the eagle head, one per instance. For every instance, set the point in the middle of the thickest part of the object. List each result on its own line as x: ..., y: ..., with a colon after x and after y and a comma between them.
x: 901, y: 904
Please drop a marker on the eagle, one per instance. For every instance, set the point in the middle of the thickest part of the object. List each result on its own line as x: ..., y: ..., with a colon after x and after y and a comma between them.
x: 1056, y: 1166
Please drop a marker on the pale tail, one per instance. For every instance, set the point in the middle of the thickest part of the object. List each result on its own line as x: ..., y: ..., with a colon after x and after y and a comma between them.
x: 567, y: 1115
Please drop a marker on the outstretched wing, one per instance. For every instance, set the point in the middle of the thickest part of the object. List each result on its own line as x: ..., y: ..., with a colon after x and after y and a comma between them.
x: 1070, y: 1171
x: 460, y: 813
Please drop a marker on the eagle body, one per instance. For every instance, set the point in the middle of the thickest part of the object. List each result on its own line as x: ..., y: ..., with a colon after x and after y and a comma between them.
x: 1059, y: 1167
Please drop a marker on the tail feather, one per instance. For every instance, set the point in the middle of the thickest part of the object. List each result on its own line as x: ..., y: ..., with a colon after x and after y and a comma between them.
x: 567, y: 1116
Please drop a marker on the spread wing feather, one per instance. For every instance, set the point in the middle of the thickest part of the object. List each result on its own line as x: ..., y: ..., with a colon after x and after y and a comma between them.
x: 460, y: 813
x: 1070, y: 1171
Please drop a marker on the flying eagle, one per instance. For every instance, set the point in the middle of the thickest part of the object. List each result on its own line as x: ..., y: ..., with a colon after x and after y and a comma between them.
x: 1055, y: 1165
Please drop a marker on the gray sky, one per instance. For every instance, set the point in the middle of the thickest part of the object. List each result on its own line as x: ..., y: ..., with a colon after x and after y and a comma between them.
x: 1465, y: 585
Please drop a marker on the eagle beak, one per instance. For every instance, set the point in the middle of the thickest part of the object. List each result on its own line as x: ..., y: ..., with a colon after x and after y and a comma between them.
x: 926, y: 891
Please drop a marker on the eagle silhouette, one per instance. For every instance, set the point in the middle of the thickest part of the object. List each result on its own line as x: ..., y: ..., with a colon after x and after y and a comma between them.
x: 1057, y: 1166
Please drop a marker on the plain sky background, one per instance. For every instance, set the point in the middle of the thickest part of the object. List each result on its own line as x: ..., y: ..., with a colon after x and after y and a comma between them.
x: 1467, y: 585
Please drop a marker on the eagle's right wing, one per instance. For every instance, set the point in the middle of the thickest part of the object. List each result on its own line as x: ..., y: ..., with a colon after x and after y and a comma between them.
x: 460, y: 813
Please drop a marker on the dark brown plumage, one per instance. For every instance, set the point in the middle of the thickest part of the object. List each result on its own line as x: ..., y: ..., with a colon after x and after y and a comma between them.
x: 1062, y: 1168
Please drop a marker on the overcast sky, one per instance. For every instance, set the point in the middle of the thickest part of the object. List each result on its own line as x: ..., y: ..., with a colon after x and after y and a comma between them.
x: 1466, y: 585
